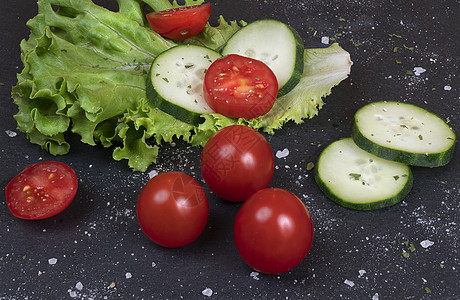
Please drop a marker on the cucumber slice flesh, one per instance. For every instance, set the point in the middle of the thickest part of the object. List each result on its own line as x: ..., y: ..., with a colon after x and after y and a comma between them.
x: 403, y: 132
x: 359, y: 180
x: 276, y: 44
x: 175, y: 82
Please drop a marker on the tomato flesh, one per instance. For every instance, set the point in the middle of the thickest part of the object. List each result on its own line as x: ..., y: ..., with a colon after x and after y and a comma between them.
x: 273, y: 231
x: 41, y: 190
x: 172, y: 209
x: 240, y: 87
x: 180, y: 23
x: 236, y: 162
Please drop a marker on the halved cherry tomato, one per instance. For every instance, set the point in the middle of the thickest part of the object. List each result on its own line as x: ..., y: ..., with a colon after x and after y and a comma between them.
x: 236, y: 162
x: 240, y: 87
x: 273, y: 231
x: 180, y: 23
x: 172, y: 209
x: 41, y: 190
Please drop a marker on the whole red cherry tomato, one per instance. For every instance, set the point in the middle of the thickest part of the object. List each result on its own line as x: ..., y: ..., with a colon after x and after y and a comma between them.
x: 273, y: 231
x: 180, y: 23
x: 41, y: 190
x: 172, y: 209
x: 236, y: 162
x: 240, y: 87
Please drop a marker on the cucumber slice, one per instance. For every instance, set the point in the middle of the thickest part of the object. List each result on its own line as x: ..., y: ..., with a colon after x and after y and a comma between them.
x: 359, y: 180
x: 175, y: 81
x: 276, y: 44
x: 405, y: 133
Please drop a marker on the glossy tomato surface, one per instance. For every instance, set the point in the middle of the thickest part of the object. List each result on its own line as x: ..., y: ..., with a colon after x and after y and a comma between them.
x: 240, y: 87
x: 172, y: 209
x: 273, y: 231
x: 180, y: 23
x: 236, y: 162
x: 41, y: 190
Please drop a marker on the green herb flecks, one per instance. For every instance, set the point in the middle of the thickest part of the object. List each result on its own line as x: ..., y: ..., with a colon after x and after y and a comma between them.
x: 355, y: 176
x: 356, y: 44
x: 408, y: 48
x: 395, y: 35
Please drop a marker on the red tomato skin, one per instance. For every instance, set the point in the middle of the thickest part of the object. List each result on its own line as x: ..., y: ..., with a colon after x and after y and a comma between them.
x: 41, y: 190
x: 180, y: 23
x: 236, y: 162
x: 240, y: 87
x: 273, y: 231
x: 172, y: 209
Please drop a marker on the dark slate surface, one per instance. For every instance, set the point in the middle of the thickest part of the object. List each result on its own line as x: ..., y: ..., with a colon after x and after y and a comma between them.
x: 101, y: 253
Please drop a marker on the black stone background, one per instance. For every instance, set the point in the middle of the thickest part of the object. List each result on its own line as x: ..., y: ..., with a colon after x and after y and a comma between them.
x: 102, y: 254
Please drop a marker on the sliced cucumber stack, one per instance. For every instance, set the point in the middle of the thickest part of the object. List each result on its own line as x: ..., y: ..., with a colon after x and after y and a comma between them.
x: 276, y: 44
x: 175, y: 81
x: 404, y: 133
x: 359, y: 180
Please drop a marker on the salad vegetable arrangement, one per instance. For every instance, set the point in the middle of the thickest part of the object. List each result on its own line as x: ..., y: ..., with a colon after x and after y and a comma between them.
x: 110, y: 78
x: 86, y: 68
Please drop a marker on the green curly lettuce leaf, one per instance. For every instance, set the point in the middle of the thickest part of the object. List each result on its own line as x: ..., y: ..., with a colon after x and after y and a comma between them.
x: 85, y: 69
x: 324, y: 68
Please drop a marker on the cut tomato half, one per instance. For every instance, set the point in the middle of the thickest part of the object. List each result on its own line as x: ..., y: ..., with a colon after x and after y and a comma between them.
x: 180, y: 23
x: 240, y: 87
x: 41, y: 190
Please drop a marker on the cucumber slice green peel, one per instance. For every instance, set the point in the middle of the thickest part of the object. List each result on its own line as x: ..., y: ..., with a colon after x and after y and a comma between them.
x: 175, y: 82
x: 276, y: 44
x: 404, y: 133
x: 356, y: 179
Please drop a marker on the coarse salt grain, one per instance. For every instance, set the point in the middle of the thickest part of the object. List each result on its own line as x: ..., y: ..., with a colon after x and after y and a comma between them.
x: 11, y: 133
x: 152, y: 174
x: 447, y: 88
x: 79, y: 286
x: 52, y: 261
x: 325, y: 40
x: 349, y: 283
x: 207, y: 292
x: 282, y: 154
x: 426, y: 243
x: 418, y: 71
x: 128, y: 275
x: 72, y: 294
